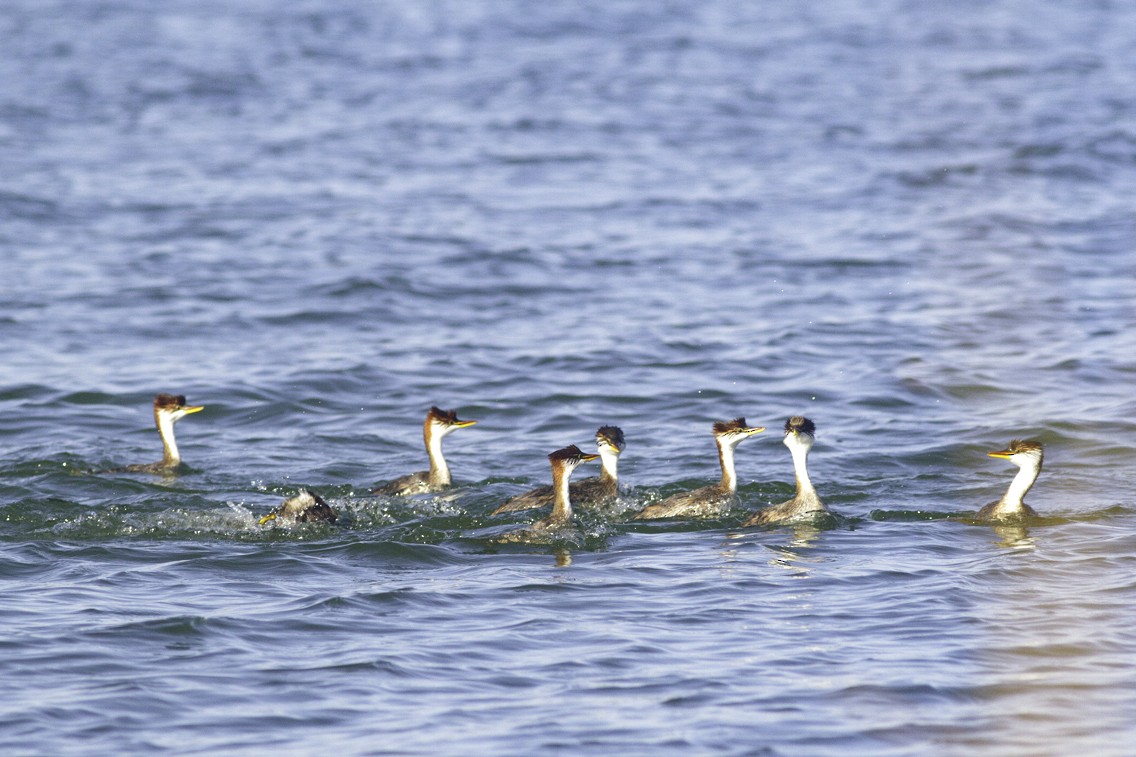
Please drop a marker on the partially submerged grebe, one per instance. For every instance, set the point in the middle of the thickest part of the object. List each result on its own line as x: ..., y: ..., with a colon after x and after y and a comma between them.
x: 305, y: 507
x: 589, y: 491
x: 800, y: 433
x: 168, y: 410
x: 714, y: 499
x: 559, y: 523
x: 439, y: 424
x: 1027, y: 456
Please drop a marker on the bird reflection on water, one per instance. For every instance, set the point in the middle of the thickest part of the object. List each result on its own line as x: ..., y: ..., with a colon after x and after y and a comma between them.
x: 1013, y: 536
x: 792, y: 556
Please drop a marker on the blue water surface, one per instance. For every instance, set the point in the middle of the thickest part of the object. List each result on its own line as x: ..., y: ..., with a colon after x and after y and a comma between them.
x: 911, y: 222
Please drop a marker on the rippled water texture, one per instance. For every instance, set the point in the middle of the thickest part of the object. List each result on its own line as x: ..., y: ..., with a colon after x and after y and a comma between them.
x: 911, y: 222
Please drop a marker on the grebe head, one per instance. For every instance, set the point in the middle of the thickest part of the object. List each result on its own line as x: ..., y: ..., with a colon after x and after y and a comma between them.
x: 568, y: 458
x: 173, y: 407
x: 799, y: 432
x: 732, y: 432
x: 609, y: 440
x: 1021, y: 453
x: 443, y: 422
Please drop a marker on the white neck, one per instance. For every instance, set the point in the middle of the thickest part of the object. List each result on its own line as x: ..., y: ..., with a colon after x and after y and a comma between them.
x: 1014, y: 498
x: 726, y: 459
x: 800, y: 458
x: 561, y: 505
x: 610, y: 462
x: 165, y: 423
x: 439, y: 471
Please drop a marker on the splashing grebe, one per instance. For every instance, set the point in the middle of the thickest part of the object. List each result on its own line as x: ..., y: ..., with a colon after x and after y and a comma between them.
x: 563, y: 462
x: 590, y: 491
x: 800, y: 433
x: 714, y: 499
x: 168, y: 410
x: 305, y: 507
x: 1027, y: 456
x: 439, y: 424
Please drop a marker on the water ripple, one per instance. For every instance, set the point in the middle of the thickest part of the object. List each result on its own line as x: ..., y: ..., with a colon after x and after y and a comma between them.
x: 905, y: 222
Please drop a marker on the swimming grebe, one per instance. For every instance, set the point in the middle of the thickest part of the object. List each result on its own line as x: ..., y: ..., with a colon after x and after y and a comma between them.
x: 439, y: 424
x: 800, y: 433
x: 714, y: 499
x: 1027, y: 456
x: 589, y: 491
x: 305, y: 507
x: 563, y: 462
x: 168, y: 410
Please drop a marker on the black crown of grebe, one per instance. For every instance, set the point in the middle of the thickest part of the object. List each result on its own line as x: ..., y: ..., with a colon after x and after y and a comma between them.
x: 799, y: 424
x: 556, y: 525
x: 305, y: 507
x: 710, y: 500
x: 590, y: 491
x: 168, y: 410
x: 1027, y: 455
x: 800, y: 434
x: 438, y: 425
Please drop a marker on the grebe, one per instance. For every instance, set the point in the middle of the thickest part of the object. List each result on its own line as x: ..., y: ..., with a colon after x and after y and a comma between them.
x: 305, y: 507
x: 168, y: 410
x: 439, y: 424
x: 800, y: 433
x: 1027, y: 456
x: 559, y: 523
x: 589, y: 491
x: 714, y: 499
